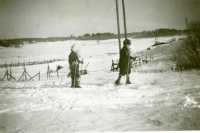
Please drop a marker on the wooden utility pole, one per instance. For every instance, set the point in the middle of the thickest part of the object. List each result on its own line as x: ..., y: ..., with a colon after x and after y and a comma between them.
x: 125, y: 35
x: 155, y: 36
x: 124, y: 19
x: 186, y: 23
x: 118, y: 27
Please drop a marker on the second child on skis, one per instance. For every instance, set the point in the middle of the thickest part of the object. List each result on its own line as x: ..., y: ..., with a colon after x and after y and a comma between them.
x: 125, y: 62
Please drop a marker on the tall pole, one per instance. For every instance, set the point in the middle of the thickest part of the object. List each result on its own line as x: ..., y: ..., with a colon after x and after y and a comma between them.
x: 118, y: 27
x: 186, y: 23
x: 125, y: 37
x: 124, y: 19
x: 187, y: 27
x: 155, y: 36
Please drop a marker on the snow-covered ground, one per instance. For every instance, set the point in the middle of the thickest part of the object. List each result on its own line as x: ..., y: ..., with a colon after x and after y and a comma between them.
x: 154, y: 102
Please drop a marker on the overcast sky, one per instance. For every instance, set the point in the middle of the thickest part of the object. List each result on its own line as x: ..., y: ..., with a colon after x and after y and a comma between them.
x: 51, y: 18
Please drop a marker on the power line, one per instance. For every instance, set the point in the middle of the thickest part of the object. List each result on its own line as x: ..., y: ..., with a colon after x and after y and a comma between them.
x: 103, y: 16
x: 90, y: 8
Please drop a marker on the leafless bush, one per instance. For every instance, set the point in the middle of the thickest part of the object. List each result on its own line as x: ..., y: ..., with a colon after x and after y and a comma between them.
x: 187, y: 55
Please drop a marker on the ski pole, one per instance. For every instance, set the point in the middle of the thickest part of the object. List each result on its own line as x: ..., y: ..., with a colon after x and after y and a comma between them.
x: 64, y: 74
x: 79, y: 74
x: 82, y: 65
x: 75, y: 74
x: 127, y: 69
x: 86, y: 66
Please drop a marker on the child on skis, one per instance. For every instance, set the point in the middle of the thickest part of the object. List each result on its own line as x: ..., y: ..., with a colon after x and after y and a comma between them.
x: 74, y: 67
x: 124, y: 62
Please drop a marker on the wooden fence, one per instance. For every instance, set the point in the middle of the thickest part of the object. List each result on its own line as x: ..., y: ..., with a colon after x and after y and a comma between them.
x: 142, y: 59
x: 29, y: 63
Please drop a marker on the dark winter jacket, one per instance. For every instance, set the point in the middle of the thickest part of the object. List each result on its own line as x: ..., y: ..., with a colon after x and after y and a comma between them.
x: 73, y: 57
x: 123, y: 61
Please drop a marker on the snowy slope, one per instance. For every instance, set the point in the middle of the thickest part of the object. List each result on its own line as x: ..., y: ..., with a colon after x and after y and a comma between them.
x: 154, y: 102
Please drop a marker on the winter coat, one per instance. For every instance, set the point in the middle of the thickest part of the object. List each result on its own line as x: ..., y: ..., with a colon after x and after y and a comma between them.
x: 74, y: 64
x: 123, y: 61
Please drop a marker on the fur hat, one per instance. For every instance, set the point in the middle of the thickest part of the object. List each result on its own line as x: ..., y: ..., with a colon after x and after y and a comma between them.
x: 75, y: 48
x: 127, y: 42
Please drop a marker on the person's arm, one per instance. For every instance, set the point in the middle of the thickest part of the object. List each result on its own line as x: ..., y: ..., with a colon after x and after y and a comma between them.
x: 77, y: 59
x: 122, y: 56
x: 70, y: 59
x: 133, y: 58
x: 80, y: 61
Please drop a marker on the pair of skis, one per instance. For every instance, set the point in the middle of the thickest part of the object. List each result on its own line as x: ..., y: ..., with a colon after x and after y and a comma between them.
x: 75, y: 72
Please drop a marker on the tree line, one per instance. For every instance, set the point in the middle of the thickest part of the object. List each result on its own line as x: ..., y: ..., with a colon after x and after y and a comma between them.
x: 158, y: 33
x: 98, y: 36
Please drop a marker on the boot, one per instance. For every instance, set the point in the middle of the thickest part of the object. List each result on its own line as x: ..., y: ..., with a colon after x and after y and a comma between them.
x: 77, y: 84
x: 72, y: 86
x: 117, y: 82
x: 128, y: 80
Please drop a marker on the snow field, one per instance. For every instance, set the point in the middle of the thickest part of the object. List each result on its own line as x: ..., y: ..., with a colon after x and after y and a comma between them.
x: 154, y: 102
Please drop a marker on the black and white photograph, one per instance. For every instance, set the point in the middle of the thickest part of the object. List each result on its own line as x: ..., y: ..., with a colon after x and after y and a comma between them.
x: 99, y: 66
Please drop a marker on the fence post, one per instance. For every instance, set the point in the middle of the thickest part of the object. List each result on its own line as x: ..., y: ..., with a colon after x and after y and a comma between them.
x: 47, y: 71
x: 139, y: 61
x: 146, y: 57
x: 150, y: 56
x: 113, y: 65
x: 142, y: 58
x: 177, y: 46
x: 57, y: 74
